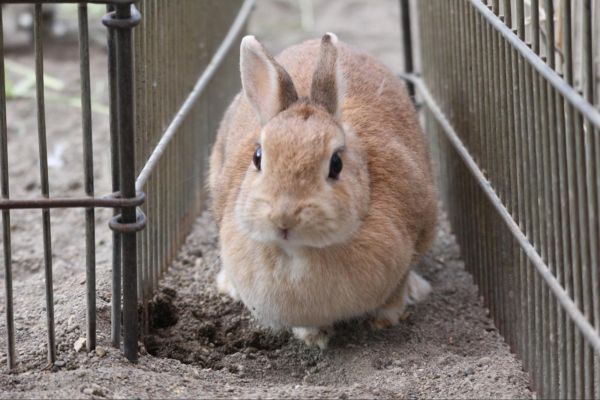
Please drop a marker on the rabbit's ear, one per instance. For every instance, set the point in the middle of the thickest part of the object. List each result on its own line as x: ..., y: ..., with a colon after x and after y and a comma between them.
x: 327, y: 82
x: 266, y: 83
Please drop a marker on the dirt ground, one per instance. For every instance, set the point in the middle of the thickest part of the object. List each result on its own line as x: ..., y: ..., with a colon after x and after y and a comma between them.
x: 203, y: 344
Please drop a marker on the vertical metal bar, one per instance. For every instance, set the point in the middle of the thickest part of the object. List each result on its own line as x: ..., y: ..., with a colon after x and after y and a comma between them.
x: 574, y: 348
x: 508, y: 13
x: 535, y: 25
x: 488, y: 62
x: 143, y: 64
x: 538, y: 233
x: 530, y: 194
x: 88, y: 166
x: 497, y: 173
x: 586, y: 201
x: 43, y: 152
x: 521, y: 18
x: 556, y: 360
x: 546, y: 233
x: 477, y: 254
x: 565, y: 246
x: 523, y: 189
x: 115, y: 316
x: 8, y: 289
x: 407, y: 43
x: 513, y: 187
x: 143, y: 91
x: 587, y: 204
x: 127, y: 180
x: 157, y: 126
x: 508, y: 267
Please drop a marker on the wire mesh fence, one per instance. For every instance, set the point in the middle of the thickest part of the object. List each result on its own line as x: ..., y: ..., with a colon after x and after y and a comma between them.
x: 515, y: 137
x: 186, y: 60
x: 172, y: 68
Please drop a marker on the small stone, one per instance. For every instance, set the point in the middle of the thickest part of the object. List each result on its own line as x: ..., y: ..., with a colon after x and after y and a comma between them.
x: 100, y: 351
x: 196, y: 253
x: 484, y: 361
x: 71, y: 324
x: 59, y: 363
x: 79, y: 344
x: 94, y: 390
x: 468, y: 371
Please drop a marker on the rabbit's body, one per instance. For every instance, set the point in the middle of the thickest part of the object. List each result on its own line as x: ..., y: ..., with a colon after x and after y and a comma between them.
x: 357, y: 234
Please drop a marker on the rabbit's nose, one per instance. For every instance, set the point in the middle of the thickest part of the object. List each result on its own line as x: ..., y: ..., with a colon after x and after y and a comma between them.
x: 284, y: 218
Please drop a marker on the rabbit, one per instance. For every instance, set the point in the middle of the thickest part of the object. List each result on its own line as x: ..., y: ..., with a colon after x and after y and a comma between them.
x: 322, y: 189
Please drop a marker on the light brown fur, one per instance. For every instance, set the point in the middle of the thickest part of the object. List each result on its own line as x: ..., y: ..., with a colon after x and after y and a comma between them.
x: 355, y: 238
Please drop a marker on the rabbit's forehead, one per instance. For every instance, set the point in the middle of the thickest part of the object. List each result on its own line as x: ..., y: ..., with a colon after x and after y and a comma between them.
x: 313, y: 137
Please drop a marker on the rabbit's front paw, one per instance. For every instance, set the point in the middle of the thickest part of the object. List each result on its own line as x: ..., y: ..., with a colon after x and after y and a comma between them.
x: 313, y: 337
x: 225, y: 286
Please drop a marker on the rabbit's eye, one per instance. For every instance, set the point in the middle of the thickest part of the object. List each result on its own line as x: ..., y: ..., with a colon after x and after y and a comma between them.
x: 257, y: 157
x: 335, y: 166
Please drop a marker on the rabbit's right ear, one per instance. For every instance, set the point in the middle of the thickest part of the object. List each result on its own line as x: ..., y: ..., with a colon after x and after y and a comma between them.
x: 267, y: 85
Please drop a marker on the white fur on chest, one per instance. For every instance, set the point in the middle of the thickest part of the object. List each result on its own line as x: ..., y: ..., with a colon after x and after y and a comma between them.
x: 291, y: 267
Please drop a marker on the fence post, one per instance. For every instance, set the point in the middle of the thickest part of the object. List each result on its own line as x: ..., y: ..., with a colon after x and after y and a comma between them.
x: 122, y: 20
x: 115, y: 177
x: 407, y: 44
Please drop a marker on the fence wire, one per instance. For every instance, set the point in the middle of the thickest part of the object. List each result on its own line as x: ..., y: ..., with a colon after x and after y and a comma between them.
x: 170, y: 80
x: 186, y: 60
x: 515, y: 138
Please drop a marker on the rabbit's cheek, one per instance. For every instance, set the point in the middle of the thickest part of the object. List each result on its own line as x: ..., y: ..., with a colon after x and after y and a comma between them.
x: 251, y: 217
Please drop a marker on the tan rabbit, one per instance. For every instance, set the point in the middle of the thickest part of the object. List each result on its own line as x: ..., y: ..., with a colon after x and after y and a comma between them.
x: 322, y: 189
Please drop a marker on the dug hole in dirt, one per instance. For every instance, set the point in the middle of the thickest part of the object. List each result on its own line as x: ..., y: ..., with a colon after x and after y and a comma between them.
x: 202, y: 344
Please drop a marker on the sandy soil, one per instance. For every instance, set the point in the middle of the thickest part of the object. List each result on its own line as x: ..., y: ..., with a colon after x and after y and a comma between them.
x: 203, y: 344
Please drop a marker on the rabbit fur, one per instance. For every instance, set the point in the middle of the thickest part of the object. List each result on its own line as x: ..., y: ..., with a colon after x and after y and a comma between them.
x: 299, y: 248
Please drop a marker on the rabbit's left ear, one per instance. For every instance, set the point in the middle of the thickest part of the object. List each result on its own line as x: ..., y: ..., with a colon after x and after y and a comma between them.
x: 327, y: 82
x: 267, y: 85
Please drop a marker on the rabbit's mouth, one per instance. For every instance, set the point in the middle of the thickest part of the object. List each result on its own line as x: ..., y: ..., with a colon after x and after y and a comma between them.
x: 284, y: 233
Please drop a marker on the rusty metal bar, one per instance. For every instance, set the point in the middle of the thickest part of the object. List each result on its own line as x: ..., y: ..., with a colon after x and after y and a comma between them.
x: 113, y: 200
x: 88, y: 166
x: 127, y: 175
x: 43, y: 154
x: 6, y: 233
x: 123, y: 19
x: 115, y: 315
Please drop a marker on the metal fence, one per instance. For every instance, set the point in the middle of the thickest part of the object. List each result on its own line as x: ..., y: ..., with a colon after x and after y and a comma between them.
x: 514, y: 133
x: 170, y: 79
x: 187, y: 73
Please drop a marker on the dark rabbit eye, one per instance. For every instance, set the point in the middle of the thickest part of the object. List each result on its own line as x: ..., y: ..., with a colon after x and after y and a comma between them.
x: 335, y: 166
x: 257, y: 157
